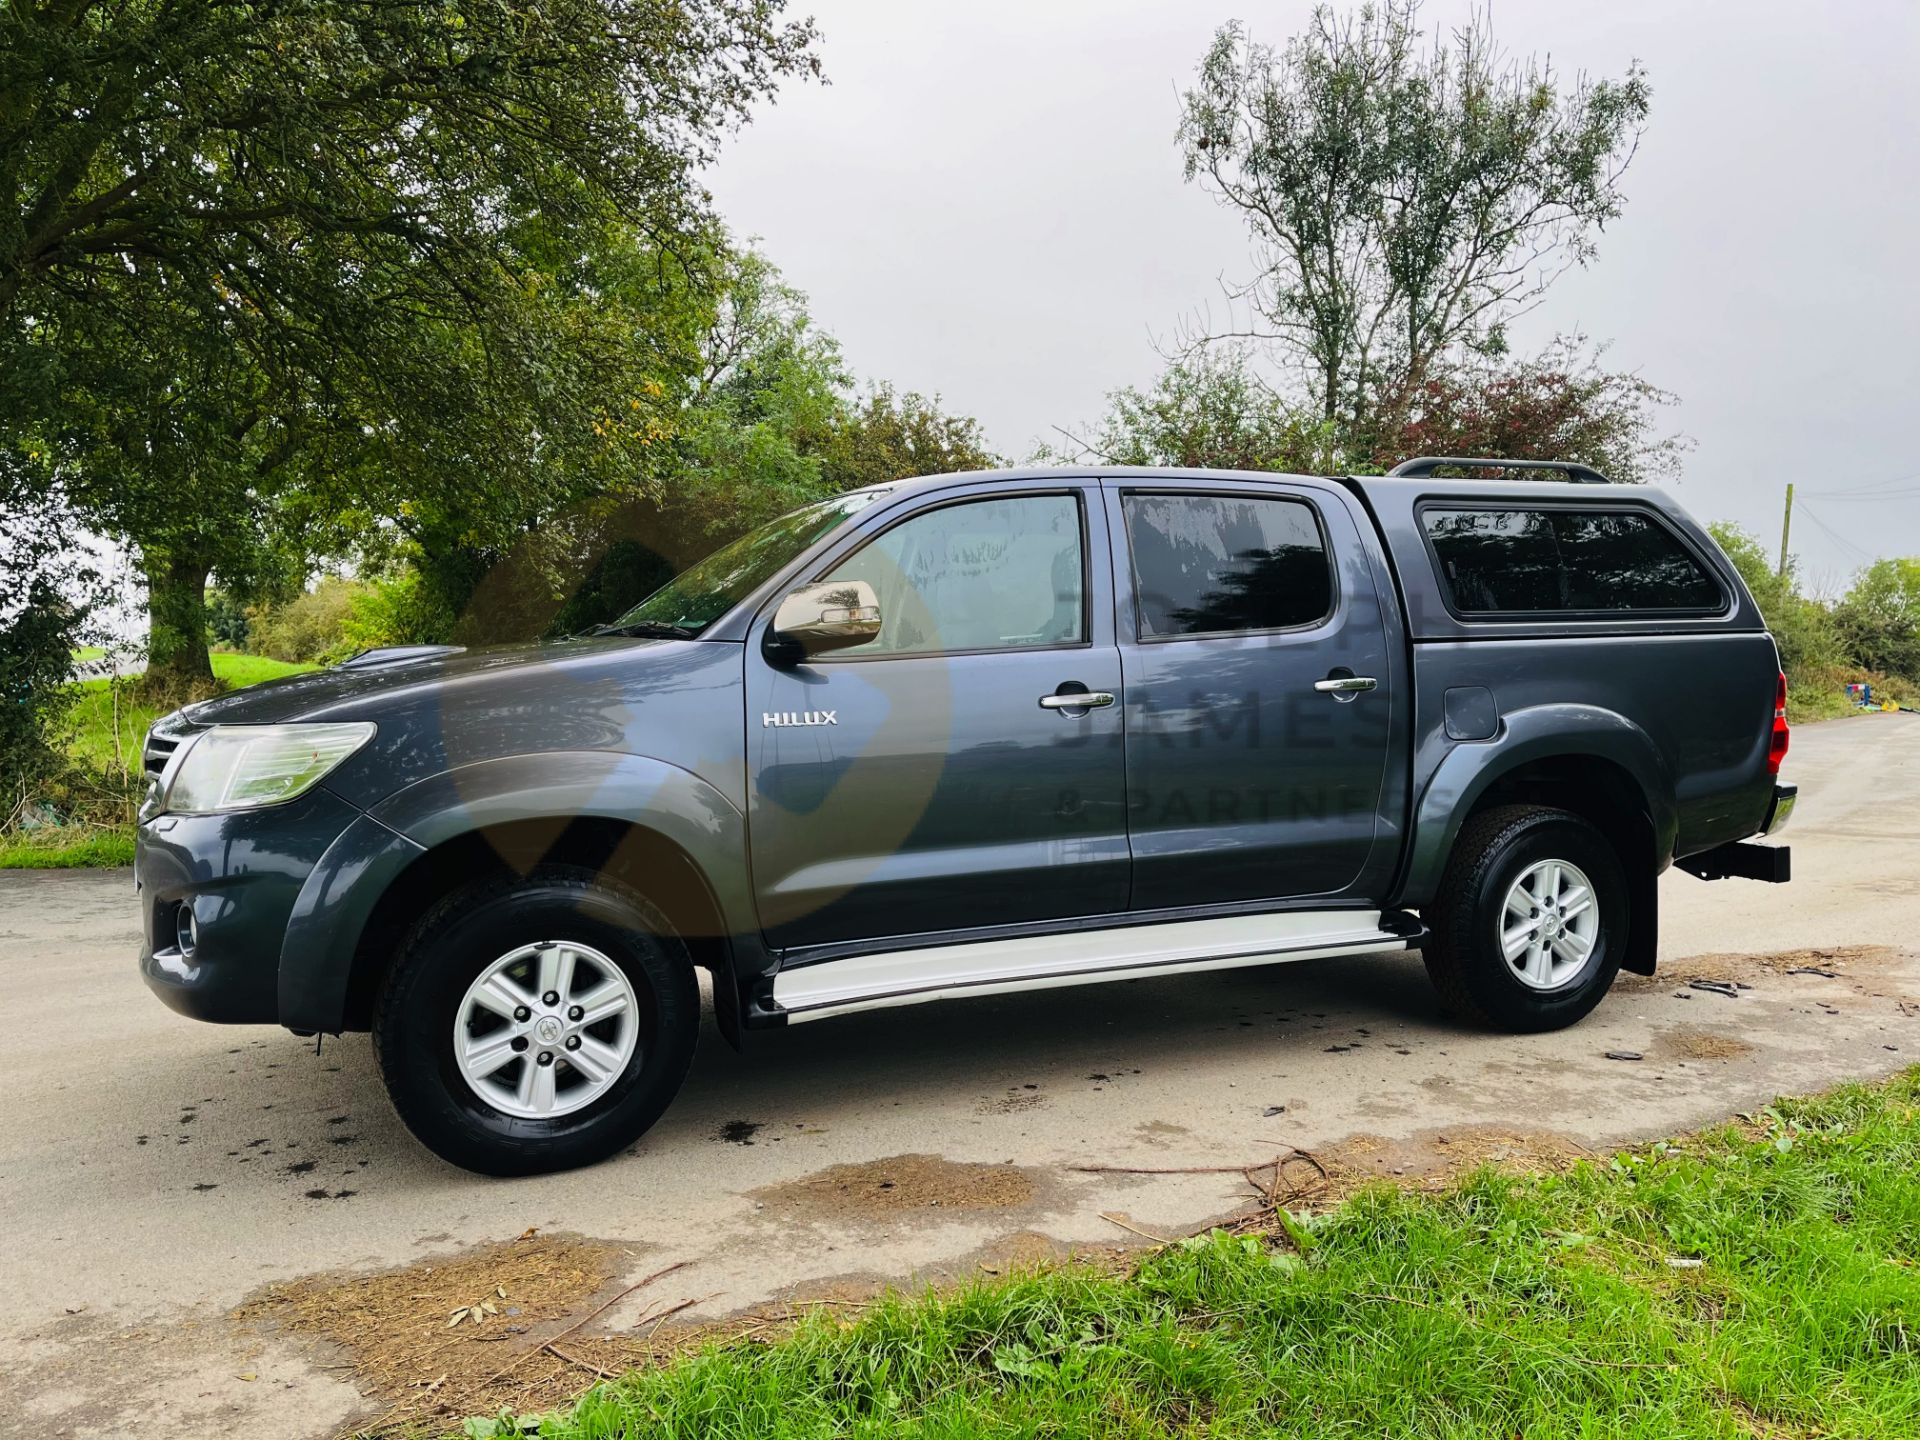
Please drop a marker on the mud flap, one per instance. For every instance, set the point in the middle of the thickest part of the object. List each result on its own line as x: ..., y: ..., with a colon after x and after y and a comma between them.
x: 1643, y: 924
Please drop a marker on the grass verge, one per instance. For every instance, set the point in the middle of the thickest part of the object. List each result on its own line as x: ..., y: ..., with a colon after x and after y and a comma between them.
x: 1759, y: 1280
x: 1820, y: 693
x: 66, y: 847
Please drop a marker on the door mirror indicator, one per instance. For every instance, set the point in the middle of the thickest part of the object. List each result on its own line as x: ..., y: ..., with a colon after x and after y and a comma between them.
x: 818, y: 618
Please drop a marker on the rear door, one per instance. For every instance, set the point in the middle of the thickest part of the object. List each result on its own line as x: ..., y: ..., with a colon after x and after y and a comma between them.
x: 1259, y: 691
x: 940, y: 777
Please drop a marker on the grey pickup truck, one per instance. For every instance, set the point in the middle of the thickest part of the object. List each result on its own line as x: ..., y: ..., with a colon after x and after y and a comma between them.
x: 975, y: 734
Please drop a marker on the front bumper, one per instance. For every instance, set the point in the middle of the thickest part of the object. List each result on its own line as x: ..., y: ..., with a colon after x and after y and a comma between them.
x: 238, y: 876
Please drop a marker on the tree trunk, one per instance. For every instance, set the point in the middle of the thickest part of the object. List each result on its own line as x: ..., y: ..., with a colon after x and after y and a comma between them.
x: 177, y: 660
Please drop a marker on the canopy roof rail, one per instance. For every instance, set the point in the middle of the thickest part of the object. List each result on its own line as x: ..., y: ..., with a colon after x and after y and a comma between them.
x: 1427, y: 464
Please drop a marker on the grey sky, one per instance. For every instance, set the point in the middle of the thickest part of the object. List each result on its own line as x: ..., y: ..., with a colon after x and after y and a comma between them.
x: 986, y: 202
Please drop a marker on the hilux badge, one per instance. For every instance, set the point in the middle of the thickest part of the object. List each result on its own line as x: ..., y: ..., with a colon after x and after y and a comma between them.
x: 770, y: 718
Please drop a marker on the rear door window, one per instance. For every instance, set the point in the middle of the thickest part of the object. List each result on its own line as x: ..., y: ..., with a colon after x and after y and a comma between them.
x: 1508, y: 560
x: 1226, y: 564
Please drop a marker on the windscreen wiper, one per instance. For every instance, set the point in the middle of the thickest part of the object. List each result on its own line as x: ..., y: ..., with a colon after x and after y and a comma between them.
x: 643, y: 629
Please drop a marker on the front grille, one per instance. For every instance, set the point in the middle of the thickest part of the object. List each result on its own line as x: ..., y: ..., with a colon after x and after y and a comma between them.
x: 168, y: 734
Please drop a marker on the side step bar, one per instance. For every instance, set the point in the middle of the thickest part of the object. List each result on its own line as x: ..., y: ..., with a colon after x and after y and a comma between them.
x: 1040, y: 962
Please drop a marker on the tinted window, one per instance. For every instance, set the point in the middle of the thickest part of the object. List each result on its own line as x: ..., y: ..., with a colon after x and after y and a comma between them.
x: 1547, y: 560
x: 1208, y: 564
x: 986, y: 575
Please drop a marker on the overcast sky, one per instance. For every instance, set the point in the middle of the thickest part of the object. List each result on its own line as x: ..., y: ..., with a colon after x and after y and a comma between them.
x: 986, y: 202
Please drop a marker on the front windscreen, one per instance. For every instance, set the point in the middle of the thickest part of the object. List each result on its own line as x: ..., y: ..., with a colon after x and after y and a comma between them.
x: 696, y: 598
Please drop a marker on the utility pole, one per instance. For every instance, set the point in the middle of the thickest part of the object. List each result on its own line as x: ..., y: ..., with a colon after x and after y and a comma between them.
x: 1786, y: 529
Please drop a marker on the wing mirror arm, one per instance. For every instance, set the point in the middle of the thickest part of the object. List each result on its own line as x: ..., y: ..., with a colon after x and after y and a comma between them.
x: 817, y: 618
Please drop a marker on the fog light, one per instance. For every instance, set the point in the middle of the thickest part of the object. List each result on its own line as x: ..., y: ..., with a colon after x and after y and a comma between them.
x: 186, y: 931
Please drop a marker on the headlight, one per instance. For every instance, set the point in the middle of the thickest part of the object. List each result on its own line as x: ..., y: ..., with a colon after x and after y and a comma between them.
x: 242, y: 767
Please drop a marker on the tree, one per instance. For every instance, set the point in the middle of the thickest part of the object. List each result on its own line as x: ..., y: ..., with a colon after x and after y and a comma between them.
x: 769, y: 422
x: 364, y: 221
x: 885, y: 436
x: 1210, y: 410
x: 1802, y: 628
x: 1559, y: 405
x: 264, y: 149
x: 46, y: 586
x: 1879, y: 618
x: 1405, y: 203
x: 494, y: 504
x: 169, y: 436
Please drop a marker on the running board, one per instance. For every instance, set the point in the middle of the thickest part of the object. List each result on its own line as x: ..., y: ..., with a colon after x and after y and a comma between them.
x: 1086, y: 957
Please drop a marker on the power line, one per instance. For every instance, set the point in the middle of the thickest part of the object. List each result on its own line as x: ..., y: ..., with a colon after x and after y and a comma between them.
x: 1865, y: 490
x: 1836, y: 536
x: 1857, y: 499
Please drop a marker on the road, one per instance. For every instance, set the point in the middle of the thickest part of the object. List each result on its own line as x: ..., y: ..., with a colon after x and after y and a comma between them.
x: 155, y: 1172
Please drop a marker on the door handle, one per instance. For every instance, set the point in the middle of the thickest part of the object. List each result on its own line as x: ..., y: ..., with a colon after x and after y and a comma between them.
x: 1346, y: 684
x: 1078, y: 700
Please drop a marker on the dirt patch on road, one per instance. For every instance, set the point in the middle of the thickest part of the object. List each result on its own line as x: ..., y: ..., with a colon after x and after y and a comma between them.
x: 1704, y: 1045
x: 1841, y: 960
x: 898, y: 1186
x: 463, y: 1335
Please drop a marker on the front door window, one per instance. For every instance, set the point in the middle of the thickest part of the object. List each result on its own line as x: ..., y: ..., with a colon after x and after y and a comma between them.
x: 999, y: 574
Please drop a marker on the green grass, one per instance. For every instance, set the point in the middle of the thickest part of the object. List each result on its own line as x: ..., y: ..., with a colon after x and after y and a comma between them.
x: 93, y: 717
x: 66, y: 848
x: 1534, y: 1306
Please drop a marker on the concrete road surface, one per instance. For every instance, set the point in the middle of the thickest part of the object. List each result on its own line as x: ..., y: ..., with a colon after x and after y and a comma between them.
x: 154, y: 1172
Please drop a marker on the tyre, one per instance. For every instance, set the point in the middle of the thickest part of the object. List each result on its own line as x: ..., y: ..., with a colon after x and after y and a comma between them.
x: 536, y: 1024
x: 1530, y: 923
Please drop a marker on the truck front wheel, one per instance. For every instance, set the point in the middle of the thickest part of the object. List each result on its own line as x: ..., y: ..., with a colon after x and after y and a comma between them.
x: 536, y: 1023
x: 1530, y: 922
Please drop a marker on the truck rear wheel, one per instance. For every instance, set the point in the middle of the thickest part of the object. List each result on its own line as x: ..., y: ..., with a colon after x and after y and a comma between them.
x: 1530, y: 923
x: 536, y: 1023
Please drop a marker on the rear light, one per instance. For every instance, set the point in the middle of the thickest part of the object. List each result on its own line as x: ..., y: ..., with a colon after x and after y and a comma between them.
x: 1777, y: 746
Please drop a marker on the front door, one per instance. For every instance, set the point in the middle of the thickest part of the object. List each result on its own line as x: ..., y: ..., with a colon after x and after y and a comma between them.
x: 939, y: 777
x: 1258, y: 691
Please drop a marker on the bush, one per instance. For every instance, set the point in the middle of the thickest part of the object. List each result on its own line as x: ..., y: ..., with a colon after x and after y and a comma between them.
x: 1869, y: 636
x: 226, y: 620
x: 311, y: 627
x: 397, y: 610
x: 1879, y: 620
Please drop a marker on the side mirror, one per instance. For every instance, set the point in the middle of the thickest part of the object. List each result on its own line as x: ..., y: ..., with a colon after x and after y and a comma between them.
x: 817, y: 618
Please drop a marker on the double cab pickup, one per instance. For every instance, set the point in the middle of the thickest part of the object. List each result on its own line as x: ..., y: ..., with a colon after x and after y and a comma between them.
x: 973, y: 734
